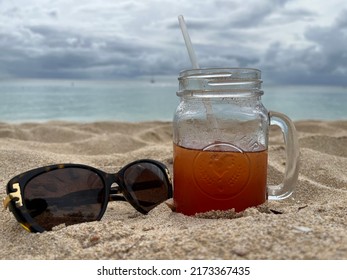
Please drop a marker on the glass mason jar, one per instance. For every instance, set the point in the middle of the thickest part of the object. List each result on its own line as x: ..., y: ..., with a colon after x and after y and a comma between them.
x: 220, y: 135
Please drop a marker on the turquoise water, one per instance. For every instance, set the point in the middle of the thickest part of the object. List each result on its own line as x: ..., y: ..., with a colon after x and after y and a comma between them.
x: 141, y: 100
x: 308, y: 102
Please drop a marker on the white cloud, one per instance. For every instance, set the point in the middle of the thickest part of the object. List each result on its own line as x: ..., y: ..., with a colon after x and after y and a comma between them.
x: 291, y: 41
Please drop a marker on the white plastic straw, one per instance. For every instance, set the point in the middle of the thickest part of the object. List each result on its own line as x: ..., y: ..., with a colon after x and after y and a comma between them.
x: 208, y: 106
x: 188, y: 42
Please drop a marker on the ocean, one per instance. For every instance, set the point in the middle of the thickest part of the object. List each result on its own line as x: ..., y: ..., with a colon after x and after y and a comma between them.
x: 145, y: 100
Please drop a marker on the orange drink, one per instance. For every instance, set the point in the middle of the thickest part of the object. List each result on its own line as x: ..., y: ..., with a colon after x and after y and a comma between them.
x: 207, y: 180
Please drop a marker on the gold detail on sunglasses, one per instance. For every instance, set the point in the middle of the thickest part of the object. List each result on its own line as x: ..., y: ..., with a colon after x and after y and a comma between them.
x: 27, y: 228
x: 13, y: 195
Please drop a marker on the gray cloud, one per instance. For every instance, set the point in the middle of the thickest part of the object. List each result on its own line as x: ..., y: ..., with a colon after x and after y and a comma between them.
x: 323, y: 61
x: 110, y: 39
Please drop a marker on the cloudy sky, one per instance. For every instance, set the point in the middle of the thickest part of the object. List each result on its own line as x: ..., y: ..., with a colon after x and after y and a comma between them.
x: 292, y: 42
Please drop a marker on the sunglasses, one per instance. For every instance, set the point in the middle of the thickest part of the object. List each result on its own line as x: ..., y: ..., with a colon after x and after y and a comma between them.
x: 46, y: 197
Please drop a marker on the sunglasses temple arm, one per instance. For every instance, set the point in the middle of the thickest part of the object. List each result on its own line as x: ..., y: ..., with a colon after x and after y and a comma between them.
x: 116, y: 197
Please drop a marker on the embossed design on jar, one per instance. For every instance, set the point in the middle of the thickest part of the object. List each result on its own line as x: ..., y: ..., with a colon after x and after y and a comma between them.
x: 221, y: 170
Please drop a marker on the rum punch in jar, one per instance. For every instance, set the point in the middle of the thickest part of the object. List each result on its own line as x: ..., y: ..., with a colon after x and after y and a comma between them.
x: 220, y: 135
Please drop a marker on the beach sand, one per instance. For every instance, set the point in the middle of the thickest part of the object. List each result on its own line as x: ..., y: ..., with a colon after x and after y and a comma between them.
x: 312, y: 224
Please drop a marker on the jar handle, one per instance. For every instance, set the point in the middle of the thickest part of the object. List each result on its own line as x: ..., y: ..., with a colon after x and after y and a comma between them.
x: 286, y: 188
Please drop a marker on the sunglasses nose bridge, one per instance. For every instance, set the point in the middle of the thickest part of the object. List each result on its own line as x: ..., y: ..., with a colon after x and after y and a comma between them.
x: 111, y: 180
x: 116, y: 189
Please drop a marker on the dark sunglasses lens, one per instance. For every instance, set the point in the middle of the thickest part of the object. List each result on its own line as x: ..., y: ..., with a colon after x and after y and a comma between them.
x: 64, y: 196
x: 147, y: 185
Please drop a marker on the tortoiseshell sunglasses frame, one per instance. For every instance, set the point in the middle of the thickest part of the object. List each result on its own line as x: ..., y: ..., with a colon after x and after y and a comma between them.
x: 15, y: 188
